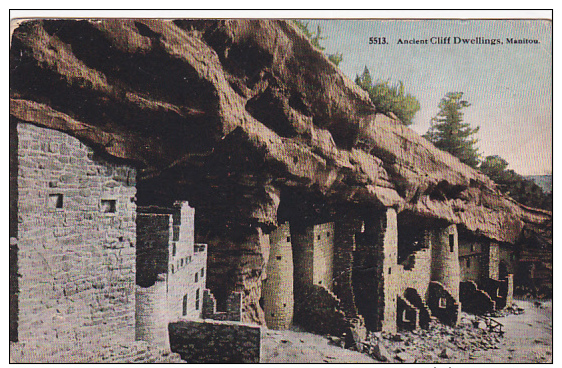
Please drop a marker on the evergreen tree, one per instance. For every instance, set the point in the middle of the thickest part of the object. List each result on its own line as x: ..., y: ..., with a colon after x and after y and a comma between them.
x: 389, y: 98
x: 449, y: 133
x: 514, y: 185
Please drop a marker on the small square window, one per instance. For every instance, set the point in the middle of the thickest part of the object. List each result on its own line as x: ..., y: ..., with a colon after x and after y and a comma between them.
x: 108, y: 205
x: 55, y: 201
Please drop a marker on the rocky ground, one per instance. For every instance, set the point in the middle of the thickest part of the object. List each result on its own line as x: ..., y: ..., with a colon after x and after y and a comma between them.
x: 527, y: 339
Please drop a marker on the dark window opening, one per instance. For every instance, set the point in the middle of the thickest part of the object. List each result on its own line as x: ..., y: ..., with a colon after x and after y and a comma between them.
x: 278, y: 258
x: 468, y: 262
x: 181, y: 262
x: 108, y: 205
x: 410, y: 240
x: 174, y: 249
x: 320, y: 282
x: 184, y: 309
x: 55, y: 201
x: 452, y: 242
x: 472, y: 247
x: 288, y: 239
x: 196, y: 277
x: 389, y: 270
x: 328, y: 234
x: 272, y: 314
x: 197, y: 299
x: 318, y: 237
x: 203, y: 272
x: 172, y: 268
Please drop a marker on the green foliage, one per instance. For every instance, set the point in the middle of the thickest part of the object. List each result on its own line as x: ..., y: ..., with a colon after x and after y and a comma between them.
x: 514, y: 185
x: 315, y: 39
x: 389, y: 98
x: 449, y: 133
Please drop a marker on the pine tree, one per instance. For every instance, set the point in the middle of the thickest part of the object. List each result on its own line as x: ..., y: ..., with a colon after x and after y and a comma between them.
x: 449, y: 133
x: 389, y: 98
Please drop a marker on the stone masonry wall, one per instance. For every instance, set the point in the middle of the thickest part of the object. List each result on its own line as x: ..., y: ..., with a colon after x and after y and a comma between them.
x: 153, y: 236
x: 215, y: 341
x: 277, y: 289
x: 344, y: 248
x: 445, y: 267
x: 470, y: 260
x: 76, y: 242
x: 152, y: 313
x: 323, y: 261
x: 13, y: 229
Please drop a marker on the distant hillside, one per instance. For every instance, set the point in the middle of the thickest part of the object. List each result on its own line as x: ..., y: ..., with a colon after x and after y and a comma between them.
x: 543, y: 181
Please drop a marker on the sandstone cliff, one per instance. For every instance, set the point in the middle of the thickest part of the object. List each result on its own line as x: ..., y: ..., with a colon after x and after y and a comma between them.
x: 241, y: 117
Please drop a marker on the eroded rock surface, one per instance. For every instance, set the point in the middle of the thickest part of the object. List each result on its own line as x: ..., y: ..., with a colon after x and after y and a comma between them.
x: 240, y: 117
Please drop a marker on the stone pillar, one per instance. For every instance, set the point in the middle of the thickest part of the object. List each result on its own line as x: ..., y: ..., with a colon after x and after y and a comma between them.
x: 445, y: 267
x: 151, y: 317
x: 492, y: 261
x: 389, y: 244
x: 509, y: 296
x: 277, y: 289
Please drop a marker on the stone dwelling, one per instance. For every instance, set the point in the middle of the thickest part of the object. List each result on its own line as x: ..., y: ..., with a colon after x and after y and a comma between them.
x: 72, y: 242
x: 171, y: 270
x: 271, y: 153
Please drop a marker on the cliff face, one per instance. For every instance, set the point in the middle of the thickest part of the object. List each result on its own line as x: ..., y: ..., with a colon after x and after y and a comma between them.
x: 243, y: 118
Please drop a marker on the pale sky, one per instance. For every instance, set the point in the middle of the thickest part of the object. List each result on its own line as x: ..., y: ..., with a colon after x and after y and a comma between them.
x: 509, y: 86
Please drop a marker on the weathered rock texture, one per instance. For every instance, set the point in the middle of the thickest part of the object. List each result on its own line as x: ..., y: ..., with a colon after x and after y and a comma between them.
x: 237, y: 117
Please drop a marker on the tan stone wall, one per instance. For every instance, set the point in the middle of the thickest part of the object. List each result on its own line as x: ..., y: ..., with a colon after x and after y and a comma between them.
x: 470, y: 260
x: 278, y: 287
x: 445, y: 267
x: 494, y: 261
x: 76, y: 254
x: 323, y: 255
x: 152, y: 314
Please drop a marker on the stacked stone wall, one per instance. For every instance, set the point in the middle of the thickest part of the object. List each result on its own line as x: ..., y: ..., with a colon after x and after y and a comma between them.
x: 76, y: 242
x: 344, y: 247
x: 445, y: 267
x: 152, y: 313
x: 471, y: 260
x: 323, y: 255
x: 215, y: 341
x: 278, y: 287
x: 13, y: 229
x: 153, y: 237
x: 493, y: 261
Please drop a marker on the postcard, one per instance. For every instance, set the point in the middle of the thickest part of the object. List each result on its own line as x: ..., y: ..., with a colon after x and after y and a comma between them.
x: 199, y: 188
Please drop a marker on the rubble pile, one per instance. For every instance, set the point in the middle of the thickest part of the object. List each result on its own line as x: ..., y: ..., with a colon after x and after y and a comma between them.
x: 438, y: 344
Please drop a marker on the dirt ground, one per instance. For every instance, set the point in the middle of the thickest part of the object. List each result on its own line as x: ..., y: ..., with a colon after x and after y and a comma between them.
x: 527, y: 339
